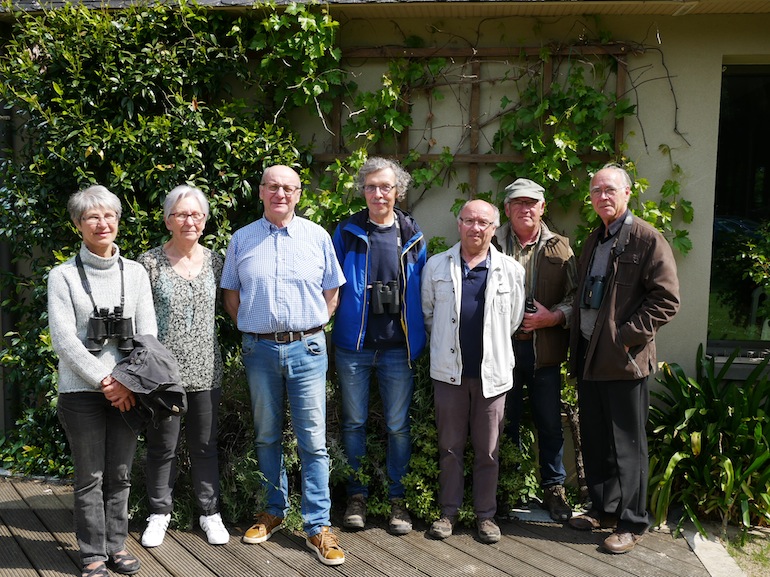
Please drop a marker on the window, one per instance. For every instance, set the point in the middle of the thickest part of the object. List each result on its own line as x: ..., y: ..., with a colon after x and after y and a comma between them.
x: 738, y: 313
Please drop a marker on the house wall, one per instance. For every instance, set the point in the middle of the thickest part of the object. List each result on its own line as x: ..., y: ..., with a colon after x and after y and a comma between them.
x: 677, y: 86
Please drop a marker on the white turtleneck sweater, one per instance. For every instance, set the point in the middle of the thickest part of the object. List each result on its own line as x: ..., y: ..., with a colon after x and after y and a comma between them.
x: 69, y: 309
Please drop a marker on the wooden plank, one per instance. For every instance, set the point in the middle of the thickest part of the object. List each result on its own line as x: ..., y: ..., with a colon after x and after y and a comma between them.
x: 641, y: 562
x: 467, y: 541
x: 582, y: 560
x: 406, y: 550
x: 53, y: 514
x: 444, y: 552
x: 40, y: 547
x: 13, y: 561
x: 379, y: 558
x: 229, y: 560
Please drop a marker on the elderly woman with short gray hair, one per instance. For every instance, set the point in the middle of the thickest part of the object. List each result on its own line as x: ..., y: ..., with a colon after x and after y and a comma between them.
x: 97, y: 300
x: 185, y: 277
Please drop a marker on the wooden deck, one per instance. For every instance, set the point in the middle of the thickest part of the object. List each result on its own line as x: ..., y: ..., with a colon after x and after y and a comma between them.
x: 37, y: 539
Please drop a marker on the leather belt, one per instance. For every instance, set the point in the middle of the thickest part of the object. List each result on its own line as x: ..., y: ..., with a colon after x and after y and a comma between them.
x: 288, y: 336
x: 522, y: 336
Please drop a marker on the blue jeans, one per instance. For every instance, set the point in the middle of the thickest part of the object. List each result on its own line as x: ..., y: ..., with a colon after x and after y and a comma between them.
x: 200, y: 426
x: 544, y: 386
x: 296, y: 370
x: 396, y: 382
x: 103, y: 448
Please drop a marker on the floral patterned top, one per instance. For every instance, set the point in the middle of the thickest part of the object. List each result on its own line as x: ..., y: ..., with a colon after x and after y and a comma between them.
x: 186, y: 311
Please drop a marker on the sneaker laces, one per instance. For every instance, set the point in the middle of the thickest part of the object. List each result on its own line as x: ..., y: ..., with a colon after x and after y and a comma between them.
x: 328, y: 541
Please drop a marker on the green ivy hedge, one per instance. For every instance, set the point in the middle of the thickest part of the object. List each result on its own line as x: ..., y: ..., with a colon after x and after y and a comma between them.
x: 141, y: 100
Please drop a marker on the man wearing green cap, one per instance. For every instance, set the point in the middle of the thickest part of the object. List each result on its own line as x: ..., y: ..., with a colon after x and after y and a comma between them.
x: 542, y: 340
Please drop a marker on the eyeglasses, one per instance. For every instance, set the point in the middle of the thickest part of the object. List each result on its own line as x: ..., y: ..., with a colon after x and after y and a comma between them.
x: 272, y: 188
x: 181, y: 217
x: 607, y: 190
x: 523, y: 203
x: 94, y: 219
x: 383, y: 188
x: 470, y: 222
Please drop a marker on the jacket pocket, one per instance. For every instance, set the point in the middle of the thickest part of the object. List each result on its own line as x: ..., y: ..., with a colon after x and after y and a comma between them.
x: 443, y: 289
x: 628, y: 269
x: 503, y: 298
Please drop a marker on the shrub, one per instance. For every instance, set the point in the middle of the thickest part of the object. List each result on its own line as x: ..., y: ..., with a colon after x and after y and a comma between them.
x: 710, y: 445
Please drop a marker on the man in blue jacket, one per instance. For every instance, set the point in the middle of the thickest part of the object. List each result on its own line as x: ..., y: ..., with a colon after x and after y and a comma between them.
x: 379, y: 328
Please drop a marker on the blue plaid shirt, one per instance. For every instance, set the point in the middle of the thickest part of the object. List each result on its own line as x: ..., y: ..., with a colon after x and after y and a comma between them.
x: 281, y: 274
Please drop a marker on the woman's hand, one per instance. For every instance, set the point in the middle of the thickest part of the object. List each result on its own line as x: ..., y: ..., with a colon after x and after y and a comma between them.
x: 117, y: 394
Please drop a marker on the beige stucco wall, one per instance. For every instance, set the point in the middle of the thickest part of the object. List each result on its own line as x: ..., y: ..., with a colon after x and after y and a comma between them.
x: 693, y: 50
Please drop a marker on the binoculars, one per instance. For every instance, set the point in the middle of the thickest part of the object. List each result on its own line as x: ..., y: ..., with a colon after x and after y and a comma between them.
x: 529, y: 305
x: 385, y: 297
x: 594, y: 292
x: 110, y: 325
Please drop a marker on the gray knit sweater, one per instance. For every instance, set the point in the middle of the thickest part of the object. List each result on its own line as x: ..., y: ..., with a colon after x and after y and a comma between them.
x: 69, y: 309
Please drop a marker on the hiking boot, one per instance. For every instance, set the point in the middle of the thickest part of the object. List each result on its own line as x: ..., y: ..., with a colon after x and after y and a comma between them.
x: 156, y: 530
x: 327, y: 547
x: 355, y: 513
x: 442, y: 528
x: 488, y: 530
x: 400, y: 523
x: 216, y: 532
x: 555, y: 500
x: 264, y: 526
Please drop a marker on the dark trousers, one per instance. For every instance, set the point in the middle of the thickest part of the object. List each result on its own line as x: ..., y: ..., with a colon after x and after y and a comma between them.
x: 103, y: 448
x: 460, y: 409
x: 613, y: 417
x: 544, y: 388
x: 200, y: 424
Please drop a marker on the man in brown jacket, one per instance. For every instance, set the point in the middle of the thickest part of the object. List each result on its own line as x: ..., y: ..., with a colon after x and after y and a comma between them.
x: 541, y: 342
x: 627, y: 289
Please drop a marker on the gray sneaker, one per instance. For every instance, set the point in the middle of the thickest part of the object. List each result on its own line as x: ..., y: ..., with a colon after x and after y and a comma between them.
x: 555, y: 501
x: 442, y: 528
x: 355, y: 513
x: 488, y: 530
x: 400, y: 523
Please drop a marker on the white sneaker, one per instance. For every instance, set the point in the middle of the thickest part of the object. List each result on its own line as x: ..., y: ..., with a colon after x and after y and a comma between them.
x: 216, y: 532
x: 156, y: 530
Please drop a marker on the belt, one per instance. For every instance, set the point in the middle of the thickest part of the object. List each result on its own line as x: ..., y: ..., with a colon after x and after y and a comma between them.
x: 286, y: 337
x: 522, y: 336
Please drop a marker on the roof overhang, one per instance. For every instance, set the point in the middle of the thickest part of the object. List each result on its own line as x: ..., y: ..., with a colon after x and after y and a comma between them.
x: 484, y: 8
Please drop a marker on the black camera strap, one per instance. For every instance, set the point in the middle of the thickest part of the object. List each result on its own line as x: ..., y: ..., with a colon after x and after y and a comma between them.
x: 623, y: 236
x: 87, y: 285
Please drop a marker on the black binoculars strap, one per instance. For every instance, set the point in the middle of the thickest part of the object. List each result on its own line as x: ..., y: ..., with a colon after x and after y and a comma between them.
x: 87, y: 285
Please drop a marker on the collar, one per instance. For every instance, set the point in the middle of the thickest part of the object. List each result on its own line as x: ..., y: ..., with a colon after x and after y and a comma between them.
x: 96, y: 261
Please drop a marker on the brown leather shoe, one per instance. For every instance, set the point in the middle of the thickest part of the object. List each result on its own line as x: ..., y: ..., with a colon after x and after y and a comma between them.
x: 586, y: 521
x: 593, y: 519
x: 621, y: 541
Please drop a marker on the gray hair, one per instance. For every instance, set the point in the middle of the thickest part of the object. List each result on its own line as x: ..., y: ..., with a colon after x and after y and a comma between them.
x: 96, y: 196
x: 624, y: 173
x: 185, y: 191
x: 495, y: 211
x: 377, y: 163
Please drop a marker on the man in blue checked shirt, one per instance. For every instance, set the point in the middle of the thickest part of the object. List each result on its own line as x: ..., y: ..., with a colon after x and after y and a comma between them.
x: 280, y: 285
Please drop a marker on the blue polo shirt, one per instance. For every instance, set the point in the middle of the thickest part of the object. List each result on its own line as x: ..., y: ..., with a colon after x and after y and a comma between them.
x: 472, y: 298
x: 281, y: 274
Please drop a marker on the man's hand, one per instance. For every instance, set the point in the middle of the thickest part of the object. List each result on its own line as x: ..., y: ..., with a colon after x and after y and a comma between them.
x: 117, y: 394
x: 541, y: 319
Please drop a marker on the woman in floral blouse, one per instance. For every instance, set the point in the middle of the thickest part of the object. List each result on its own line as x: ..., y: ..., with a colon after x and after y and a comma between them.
x: 185, y: 277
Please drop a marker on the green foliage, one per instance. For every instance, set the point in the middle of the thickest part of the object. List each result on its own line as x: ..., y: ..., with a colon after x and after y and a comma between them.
x: 564, y: 134
x: 710, y: 445
x: 140, y: 100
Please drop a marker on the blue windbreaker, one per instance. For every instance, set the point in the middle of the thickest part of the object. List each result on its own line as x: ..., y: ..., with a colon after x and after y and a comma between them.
x: 351, y: 244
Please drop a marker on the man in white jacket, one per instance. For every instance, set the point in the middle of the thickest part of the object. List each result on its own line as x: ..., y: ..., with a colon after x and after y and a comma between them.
x: 473, y: 302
